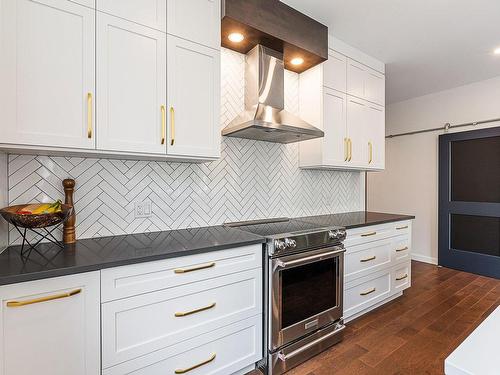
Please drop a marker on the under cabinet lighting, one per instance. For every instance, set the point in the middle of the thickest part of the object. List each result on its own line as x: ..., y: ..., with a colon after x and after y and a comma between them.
x: 297, y: 61
x: 236, y: 37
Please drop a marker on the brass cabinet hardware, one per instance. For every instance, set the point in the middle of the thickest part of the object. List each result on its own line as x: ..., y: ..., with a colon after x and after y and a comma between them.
x: 368, y: 292
x: 172, y: 126
x: 89, y: 115
x: 368, y: 234
x: 191, y: 312
x: 163, y: 124
x: 402, y: 277
x: 346, y: 149
x: 197, y: 268
x: 186, y: 370
x: 368, y: 259
x: 350, y: 149
x: 404, y: 227
x: 370, y: 149
x: 43, y: 299
x: 402, y: 249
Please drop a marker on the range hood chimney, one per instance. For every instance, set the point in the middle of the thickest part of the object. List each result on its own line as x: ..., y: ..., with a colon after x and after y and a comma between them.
x: 265, y: 118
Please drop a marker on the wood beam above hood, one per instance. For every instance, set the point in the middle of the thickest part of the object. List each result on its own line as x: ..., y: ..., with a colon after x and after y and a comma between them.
x: 277, y: 26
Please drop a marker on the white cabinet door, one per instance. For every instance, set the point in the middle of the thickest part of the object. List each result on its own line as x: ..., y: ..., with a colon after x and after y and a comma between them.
x: 194, y: 99
x: 356, y: 132
x: 131, y: 79
x: 375, y: 87
x: 365, y: 83
x: 47, y: 73
x: 355, y: 78
x: 334, y: 71
x: 334, y: 126
x: 195, y: 20
x: 51, y: 326
x: 375, y: 130
x: 151, y: 13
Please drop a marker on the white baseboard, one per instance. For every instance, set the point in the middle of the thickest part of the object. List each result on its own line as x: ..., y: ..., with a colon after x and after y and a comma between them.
x: 424, y: 258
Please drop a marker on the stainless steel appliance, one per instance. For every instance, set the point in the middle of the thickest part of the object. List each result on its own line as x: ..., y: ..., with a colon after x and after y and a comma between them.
x: 304, y: 289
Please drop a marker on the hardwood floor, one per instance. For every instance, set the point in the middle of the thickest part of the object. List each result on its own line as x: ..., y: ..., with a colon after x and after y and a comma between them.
x: 414, y: 333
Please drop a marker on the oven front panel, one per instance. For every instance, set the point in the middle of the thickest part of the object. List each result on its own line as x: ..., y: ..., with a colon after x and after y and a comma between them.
x: 305, y: 296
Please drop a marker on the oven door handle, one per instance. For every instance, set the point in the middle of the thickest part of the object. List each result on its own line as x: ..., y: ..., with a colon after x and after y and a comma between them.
x: 330, y: 254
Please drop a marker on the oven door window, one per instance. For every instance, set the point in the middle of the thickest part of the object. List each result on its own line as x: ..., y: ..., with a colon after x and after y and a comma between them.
x: 308, y: 290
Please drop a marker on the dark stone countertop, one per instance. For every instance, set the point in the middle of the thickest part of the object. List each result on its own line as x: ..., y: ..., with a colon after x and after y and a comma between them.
x: 105, y: 252
x: 356, y: 219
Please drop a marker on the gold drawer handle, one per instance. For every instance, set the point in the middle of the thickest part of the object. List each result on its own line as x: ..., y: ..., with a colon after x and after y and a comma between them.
x: 402, y: 277
x: 181, y: 314
x: 370, y: 146
x: 172, y: 126
x: 163, y: 124
x: 350, y: 149
x: 43, y: 299
x: 367, y: 292
x: 346, y: 149
x: 368, y: 259
x: 402, y: 249
x: 399, y: 228
x: 89, y: 115
x: 183, y: 371
x: 368, y: 234
x: 202, y: 267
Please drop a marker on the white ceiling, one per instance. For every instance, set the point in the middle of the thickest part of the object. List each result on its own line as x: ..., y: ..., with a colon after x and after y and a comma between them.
x: 428, y: 45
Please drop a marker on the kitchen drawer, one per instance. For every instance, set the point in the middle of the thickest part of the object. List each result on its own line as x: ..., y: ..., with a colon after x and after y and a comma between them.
x: 126, y: 281
x: 139, y: 325
x: 401, y: 249
x: 227, y: 350
x: 151, y: 13
x: 377, y: 232
x: 367, y: 258
x: 366, y: 291
x: 401, y: 277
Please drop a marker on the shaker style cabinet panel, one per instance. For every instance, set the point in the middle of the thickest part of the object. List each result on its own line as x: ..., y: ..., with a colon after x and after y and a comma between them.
x: 195, y: 20
x: 365, y: 83
x: 131, y: 82
x: 47, y: 73
x: 151, y: 13
x: 334, y: 126
x: 356, y: 131
x: 335, y: 71
x: 375, y: 122
x: 51, y: 326
x: 193, y: 92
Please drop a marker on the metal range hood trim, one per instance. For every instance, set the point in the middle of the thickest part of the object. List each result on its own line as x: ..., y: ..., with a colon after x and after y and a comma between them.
x: 265, y: 118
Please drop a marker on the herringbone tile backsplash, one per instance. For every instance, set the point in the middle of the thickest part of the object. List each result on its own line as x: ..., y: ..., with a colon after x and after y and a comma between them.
x: 251, y: 180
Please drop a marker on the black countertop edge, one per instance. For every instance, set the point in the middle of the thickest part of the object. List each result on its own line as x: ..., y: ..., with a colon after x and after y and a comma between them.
x: 357, y: 219
x: 114, y: 251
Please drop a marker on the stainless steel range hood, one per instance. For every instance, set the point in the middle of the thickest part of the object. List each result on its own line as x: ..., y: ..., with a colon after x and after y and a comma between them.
x: 265, y: 118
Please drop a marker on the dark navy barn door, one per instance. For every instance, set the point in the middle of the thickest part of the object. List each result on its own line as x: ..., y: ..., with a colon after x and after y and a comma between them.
x: 469, y: 201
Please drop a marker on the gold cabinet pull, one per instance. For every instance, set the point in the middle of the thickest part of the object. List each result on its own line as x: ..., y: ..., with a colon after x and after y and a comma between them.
x: 185, y: 370
x: 368, y: 259
x: 197, y: 268
x: 172, y: 126
x: 89, y: 115
x: 163, y: 124
x: 404, y: 227
x: 186, y: 313
x: 368, y: 234
x: 346, y: 149
x: 350, y: 149
x: 402, y: 277
x: 370, y: 150
x: 402, y: 249
x: 43, y: 299
x: 368, y: 292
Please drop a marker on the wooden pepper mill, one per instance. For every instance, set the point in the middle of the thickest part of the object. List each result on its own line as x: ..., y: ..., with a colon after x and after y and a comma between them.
x: 69, y: 231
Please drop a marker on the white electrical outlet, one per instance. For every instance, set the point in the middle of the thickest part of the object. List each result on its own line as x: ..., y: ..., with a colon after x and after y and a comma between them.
x: 142, y: 209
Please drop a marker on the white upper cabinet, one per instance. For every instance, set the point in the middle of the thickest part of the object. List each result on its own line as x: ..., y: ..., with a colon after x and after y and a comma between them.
x: 340, y: 97
x: 334, y: 71
x: 51, y: 326
x: 131, y: 83
x: 365, y: 83
x: 151, y: 13
x: 47, y: 74
x: 193, y: 92
x: 195, y: 20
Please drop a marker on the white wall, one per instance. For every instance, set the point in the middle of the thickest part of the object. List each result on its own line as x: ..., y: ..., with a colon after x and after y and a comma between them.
x: 3, y: 200
x: 409, y: 183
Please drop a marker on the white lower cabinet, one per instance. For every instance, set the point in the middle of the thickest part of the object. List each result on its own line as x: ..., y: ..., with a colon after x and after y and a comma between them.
x: 377, y: 266
x: 51, y: 326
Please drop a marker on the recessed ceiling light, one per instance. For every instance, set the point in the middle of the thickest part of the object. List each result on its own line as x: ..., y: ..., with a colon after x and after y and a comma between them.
x: 497, y: 51
x: 236, y: 37
x: 297, y: 61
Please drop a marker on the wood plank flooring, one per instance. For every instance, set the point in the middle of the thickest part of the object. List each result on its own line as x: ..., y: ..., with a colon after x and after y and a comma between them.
x: 414, y: 333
